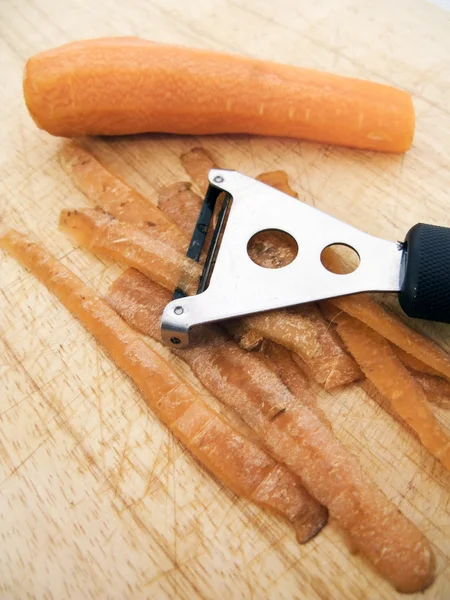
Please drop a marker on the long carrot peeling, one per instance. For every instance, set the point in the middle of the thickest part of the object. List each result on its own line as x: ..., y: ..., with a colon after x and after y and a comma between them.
x: 414, y: 363
x: 292, y: 376
x: 366, y: 310
x: 297, y: 437
x: 392, y: 379
x: 115, y: 197
x: 126, y: 243
x: 236, y: 461
x: 389, y: 326
x: 436, y: 388
x: 116, y: 86
x: 304, y: 331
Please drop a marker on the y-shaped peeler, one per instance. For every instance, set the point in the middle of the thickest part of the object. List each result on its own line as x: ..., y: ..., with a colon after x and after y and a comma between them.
x: 232, y: 285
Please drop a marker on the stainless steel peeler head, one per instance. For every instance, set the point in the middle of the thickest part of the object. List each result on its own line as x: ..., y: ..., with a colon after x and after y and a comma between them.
x: 232, y: 285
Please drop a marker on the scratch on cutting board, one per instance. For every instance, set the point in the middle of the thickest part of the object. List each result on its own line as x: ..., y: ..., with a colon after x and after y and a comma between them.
x: 27, y: 162
x: 17, y: 403
x: 98, y: 391
x: 123, y: 455
x: 143, y: 527
x: 164, y: 574
x: 177, y: 568
x: 5, y: 456
x: 152, y: 479
x: 35, y: 389
x: 26, y: 459
x: 151, y: 473
x: 172, y: 461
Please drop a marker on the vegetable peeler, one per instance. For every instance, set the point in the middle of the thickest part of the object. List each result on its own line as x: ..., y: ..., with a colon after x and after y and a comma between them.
x: 232, y: 285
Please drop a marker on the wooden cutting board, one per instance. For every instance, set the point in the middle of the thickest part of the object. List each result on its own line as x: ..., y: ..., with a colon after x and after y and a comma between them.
x: 97, y: 499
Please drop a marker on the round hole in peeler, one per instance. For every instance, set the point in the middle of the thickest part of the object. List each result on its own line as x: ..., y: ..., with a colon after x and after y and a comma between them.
x: 340, y: 259
x: 272, y: 248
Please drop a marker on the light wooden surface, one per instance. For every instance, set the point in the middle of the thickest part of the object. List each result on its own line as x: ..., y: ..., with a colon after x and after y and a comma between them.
x: 97, y: 500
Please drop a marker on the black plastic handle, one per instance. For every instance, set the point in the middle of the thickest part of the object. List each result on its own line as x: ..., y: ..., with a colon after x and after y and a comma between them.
x: 425, y: 291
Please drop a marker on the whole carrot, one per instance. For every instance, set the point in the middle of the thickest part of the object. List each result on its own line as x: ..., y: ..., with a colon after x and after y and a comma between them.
x: 116, y: 86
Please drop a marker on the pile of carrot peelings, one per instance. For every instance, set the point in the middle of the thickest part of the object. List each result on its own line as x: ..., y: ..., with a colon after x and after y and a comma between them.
x: 285, y: 456
x: 269, y: 387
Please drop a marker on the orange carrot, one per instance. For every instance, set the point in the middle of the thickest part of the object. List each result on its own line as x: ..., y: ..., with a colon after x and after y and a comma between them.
x: 115, y: 197
x: 117, y: 86
x: 407, y: 398
x: 297, y: 437
x: 236, y: 461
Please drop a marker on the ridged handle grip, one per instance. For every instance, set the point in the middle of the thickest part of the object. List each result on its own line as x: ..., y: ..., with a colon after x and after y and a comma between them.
x: 425, y: 291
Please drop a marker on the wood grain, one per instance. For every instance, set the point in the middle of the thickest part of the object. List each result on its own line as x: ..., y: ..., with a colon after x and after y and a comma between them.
x: 97, y: 499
